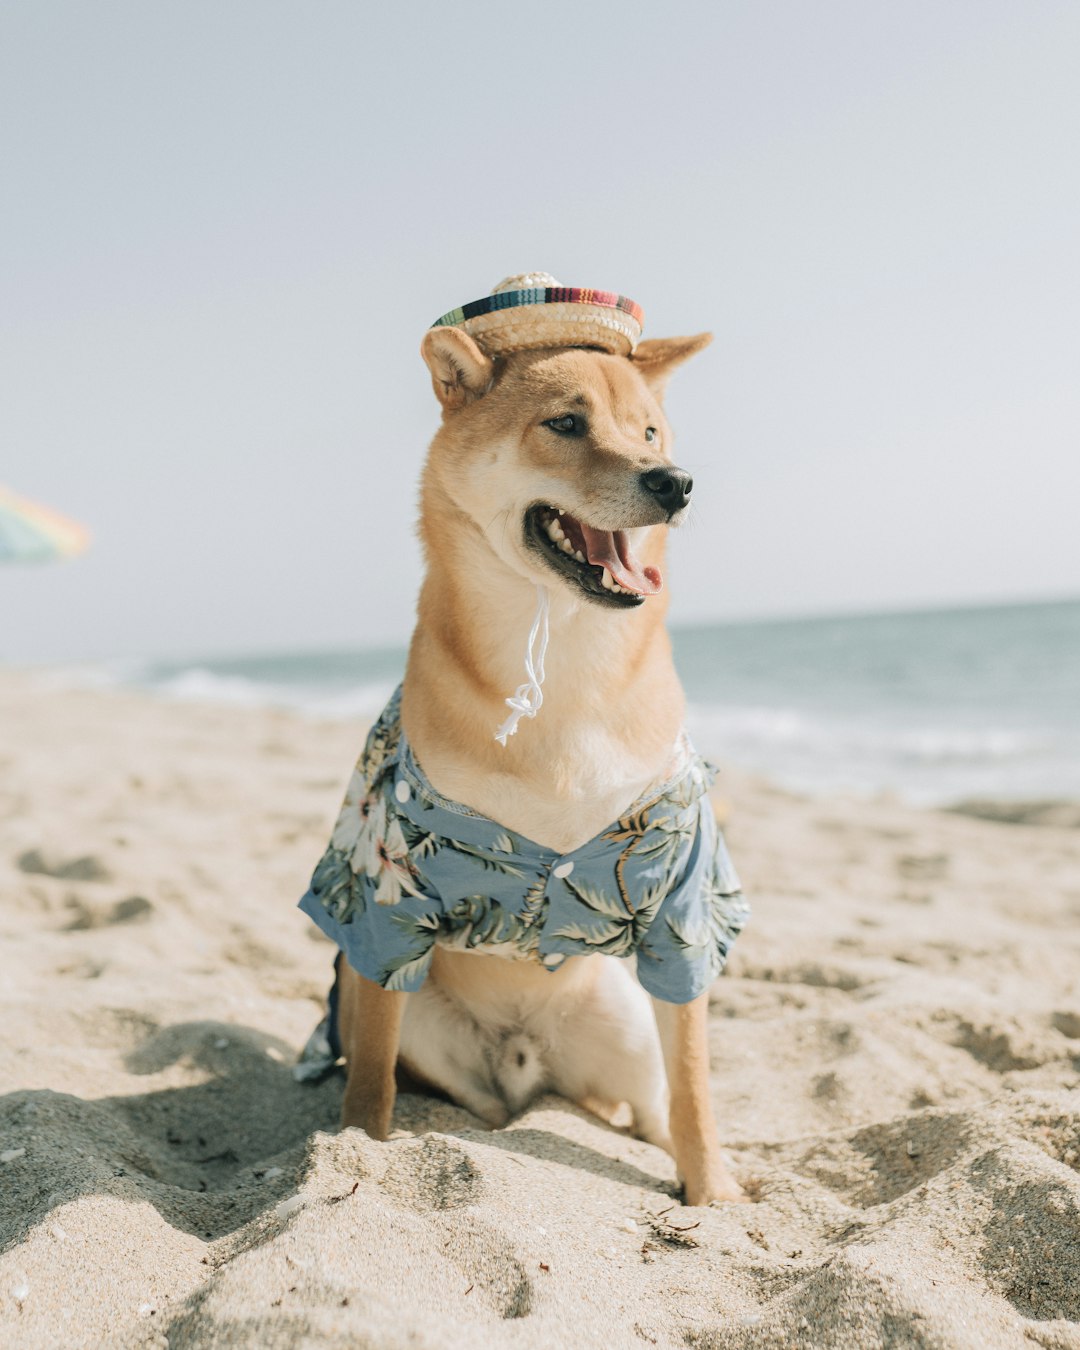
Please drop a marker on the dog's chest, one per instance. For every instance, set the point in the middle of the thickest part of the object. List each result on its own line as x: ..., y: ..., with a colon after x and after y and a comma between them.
x: 567, y: 793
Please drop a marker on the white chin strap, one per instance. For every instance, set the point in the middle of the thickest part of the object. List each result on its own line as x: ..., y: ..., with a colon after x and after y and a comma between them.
x: 528, y: 699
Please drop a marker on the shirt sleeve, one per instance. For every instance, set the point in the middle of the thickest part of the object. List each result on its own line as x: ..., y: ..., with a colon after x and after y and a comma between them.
x: 691, y: 934
x: 368, y: 896
x: 390, y: 945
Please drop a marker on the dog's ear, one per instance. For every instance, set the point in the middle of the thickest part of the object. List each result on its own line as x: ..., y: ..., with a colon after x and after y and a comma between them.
x: 656, y: 358
x: 460, y: 371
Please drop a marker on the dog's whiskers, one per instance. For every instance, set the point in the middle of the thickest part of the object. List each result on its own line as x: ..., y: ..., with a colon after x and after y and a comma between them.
x: 505, y: 512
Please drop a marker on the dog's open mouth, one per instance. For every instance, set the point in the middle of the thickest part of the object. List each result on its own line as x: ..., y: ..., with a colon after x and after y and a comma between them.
x: 602, y: 562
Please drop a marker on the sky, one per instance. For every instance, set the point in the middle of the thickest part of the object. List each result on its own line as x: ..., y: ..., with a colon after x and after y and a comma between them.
x: 225, y: 228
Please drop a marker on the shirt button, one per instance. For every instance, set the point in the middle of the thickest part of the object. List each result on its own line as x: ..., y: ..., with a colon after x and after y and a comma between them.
x: 401, y: 792
x: 563, y: 870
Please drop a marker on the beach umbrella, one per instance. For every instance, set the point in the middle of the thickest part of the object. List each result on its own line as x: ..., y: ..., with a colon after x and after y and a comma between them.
x: 33, y: 533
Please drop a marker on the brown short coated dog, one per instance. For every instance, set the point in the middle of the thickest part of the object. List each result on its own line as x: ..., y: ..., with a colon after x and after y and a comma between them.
x: 584, y: 432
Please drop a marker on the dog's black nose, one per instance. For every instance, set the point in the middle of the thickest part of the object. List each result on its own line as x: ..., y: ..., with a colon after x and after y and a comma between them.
x: 670, y: 486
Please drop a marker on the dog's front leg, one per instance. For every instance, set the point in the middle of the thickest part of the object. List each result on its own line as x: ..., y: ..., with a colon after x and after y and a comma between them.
x: 370, y: 1025
x: 685, y: 1038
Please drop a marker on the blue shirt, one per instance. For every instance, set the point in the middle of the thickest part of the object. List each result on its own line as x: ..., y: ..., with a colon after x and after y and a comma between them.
x: 407, y: 869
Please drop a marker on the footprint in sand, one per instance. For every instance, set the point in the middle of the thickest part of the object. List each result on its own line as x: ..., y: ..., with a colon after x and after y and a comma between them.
x: 485, y: 1256
x: 133, y: 909
x: 1005, y: 1044
x: 40, y: 862
x: 433, y: 1174
x: 1068, y: 1023
x: 1029, y: 1254
x: 923, y: 867
x: 83, y: 970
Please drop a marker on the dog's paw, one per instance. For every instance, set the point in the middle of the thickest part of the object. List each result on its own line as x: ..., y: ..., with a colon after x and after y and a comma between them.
x: 718, y: 1189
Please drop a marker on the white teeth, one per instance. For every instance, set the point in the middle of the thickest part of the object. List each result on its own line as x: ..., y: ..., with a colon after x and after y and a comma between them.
x: 610, y: 584
x: 558, y: 537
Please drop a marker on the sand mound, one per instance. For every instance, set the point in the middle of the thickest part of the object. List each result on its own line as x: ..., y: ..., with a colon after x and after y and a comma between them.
x: 1058, y: 814
x: 896, y: 1060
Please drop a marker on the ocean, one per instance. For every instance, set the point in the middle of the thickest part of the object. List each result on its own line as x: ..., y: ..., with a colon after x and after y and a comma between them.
x: 932, y: 706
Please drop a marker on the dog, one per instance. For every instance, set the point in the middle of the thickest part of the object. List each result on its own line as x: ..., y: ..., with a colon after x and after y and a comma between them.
x: 552, y: 468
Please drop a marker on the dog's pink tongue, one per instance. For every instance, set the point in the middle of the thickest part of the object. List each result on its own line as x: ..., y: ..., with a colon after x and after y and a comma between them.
x: 612, y: 549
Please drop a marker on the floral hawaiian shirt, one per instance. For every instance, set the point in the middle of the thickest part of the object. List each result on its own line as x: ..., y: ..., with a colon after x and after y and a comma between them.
x: 407, y: 869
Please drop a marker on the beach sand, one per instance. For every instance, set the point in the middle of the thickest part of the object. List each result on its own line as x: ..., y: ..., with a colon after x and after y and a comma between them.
x: 895, y: 1067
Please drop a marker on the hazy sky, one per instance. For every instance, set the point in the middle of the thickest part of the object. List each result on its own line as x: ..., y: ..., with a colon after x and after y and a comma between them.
x: 225, y: 227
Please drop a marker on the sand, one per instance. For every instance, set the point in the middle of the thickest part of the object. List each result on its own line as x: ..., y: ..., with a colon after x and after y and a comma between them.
x: 895, y: 1066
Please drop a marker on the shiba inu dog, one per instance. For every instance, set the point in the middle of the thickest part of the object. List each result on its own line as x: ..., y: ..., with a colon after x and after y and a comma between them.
x: 552, y: 468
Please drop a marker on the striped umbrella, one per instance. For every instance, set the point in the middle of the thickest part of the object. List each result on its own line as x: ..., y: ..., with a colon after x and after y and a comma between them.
x: 33, y: 533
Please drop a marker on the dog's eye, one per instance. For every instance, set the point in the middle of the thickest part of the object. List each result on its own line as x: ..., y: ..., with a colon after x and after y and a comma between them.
x: 570, y: 424
x: 650, y: 434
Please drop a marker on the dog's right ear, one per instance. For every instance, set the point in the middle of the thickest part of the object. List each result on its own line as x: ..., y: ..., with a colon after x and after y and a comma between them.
x: 656, y: 358
x: 460, y: 371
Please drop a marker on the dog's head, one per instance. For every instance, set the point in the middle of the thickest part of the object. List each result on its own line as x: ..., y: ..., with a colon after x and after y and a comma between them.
x: 561, y: 458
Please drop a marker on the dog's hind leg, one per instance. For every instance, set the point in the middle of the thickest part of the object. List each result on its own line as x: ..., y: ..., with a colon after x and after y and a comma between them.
x: 370, y: 1025
x: 608, y: 1051
x: 441, y: 1042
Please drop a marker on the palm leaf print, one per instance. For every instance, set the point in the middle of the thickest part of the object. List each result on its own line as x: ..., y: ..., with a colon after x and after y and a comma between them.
x: 420, y: 930
x: 634, y: 826
x: 600, y: 902
x: 620, y: 874
x: 381, y: 744
x: 508, y: 869
x: 337, y: 887
x: 400, y: 971
x: 614, y: 931
x: 418, y: 927
x: 535, y: 905
x: 648, y: 838
x: 480, y: 921
x: 710, y: 933
x: 695, y: 939
x: 506, y: 843
x: 652, y: 897
x: 421, y: 843
x: 612, y: 940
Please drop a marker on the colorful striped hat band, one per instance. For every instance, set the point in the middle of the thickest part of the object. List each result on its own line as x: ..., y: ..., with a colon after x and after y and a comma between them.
x: 532, y: 310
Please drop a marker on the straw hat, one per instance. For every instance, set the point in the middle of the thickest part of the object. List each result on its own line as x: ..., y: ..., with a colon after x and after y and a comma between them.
x: 533, y: 310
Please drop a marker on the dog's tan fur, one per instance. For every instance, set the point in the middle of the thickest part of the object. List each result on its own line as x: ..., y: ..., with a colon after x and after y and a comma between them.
x: 613, y: 710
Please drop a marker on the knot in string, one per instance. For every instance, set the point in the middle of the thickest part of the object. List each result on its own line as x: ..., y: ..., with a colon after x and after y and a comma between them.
x: 528, y: 698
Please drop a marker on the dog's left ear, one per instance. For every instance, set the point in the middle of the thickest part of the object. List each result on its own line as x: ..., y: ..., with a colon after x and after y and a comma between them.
x: 460, y: 371
x: 656, y: 358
